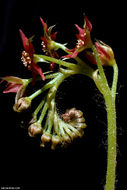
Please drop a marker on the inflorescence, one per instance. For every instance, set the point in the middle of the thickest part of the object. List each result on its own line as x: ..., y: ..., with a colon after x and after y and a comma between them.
x: 46, y: 122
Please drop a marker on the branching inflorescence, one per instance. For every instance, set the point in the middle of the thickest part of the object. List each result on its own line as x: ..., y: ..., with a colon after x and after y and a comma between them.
x: 46, y: 122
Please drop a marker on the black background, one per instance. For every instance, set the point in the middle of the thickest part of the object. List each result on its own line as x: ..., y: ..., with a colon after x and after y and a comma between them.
x: 83, y: 164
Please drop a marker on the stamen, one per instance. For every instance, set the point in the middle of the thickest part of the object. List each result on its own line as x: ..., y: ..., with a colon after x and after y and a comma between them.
x: 26, y: 59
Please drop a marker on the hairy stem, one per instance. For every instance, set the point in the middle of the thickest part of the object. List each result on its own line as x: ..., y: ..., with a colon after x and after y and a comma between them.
x: 109, y: 96
x: 111, y: 157
x: 104, y: 82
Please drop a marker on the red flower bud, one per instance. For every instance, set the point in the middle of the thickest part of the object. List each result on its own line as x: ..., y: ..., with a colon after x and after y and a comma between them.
x: 105, y: 53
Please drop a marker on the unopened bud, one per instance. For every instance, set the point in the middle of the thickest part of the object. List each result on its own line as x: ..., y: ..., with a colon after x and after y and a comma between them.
x: 34, y: 129
x: 22, y: 104
x: 66, y: 139
x: 81, y: 131
x: 71, y: 114
x: 45, y: 138
x: 74, y: 135
x: 55, y: 141
x: 105, y: 53
x: 76, y: 122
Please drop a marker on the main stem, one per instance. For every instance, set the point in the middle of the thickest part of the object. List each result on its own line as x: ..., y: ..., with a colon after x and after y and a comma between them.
x: 111, y: 158
x: 109, y: 96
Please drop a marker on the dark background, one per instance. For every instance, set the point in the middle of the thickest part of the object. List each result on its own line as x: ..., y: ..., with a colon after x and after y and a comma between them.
x: 83, y: 164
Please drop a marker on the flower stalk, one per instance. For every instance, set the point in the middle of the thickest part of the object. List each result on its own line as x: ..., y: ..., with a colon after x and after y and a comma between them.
x: 109, y: 97
x: 112, y: 137
x: 43, y: 113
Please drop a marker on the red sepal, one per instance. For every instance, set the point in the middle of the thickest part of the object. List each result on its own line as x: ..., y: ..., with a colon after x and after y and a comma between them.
x: 36, y: 70
x: 28, y: 46
x: 101, y: 50
x: 13, y: 88
x: 88, y: 23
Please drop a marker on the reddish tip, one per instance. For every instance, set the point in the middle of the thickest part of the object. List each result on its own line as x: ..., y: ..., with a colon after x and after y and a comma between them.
x: 81, y: 30
x: 88, y: 23
x: 43, y: 23
x: 24, y: 38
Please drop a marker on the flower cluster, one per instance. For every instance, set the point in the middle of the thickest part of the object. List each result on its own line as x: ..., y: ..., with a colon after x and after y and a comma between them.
x: 59, y: 131
x: 64, y: 132
x: 46, y: 122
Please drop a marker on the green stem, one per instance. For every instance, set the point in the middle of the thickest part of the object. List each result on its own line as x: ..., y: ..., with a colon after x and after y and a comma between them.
x: 81, y: 68
x: 38, y: 109
x: 99, y: 64
x: 104, y: 83
x: 109, y: 96
x: 46, y: 125
x: 115, y: 79
x: 54, y: 60
x: 47, y: 76
x: 56, y: 125
x: 45, y: 87
x: 50, y: 122
x: 61, y: 46
x: 50, y: 76
x: 111, y: 154
x: 79, y: 61
x: 43, y: 113
x: 111, y: 157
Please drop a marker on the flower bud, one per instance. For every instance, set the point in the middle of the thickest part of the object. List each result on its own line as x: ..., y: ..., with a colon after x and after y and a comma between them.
x: 34, y: 129
x: 55, y: 141
x: 105, y: 53
x: 76, y: 122
x: 45, y: 138
x: 80, y: 120
x: 81, y: 131
x: 22, y: 104
x: 66, y: 139
x: 73, y: 116
x: 80, y: 125
x: 74, y: 135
